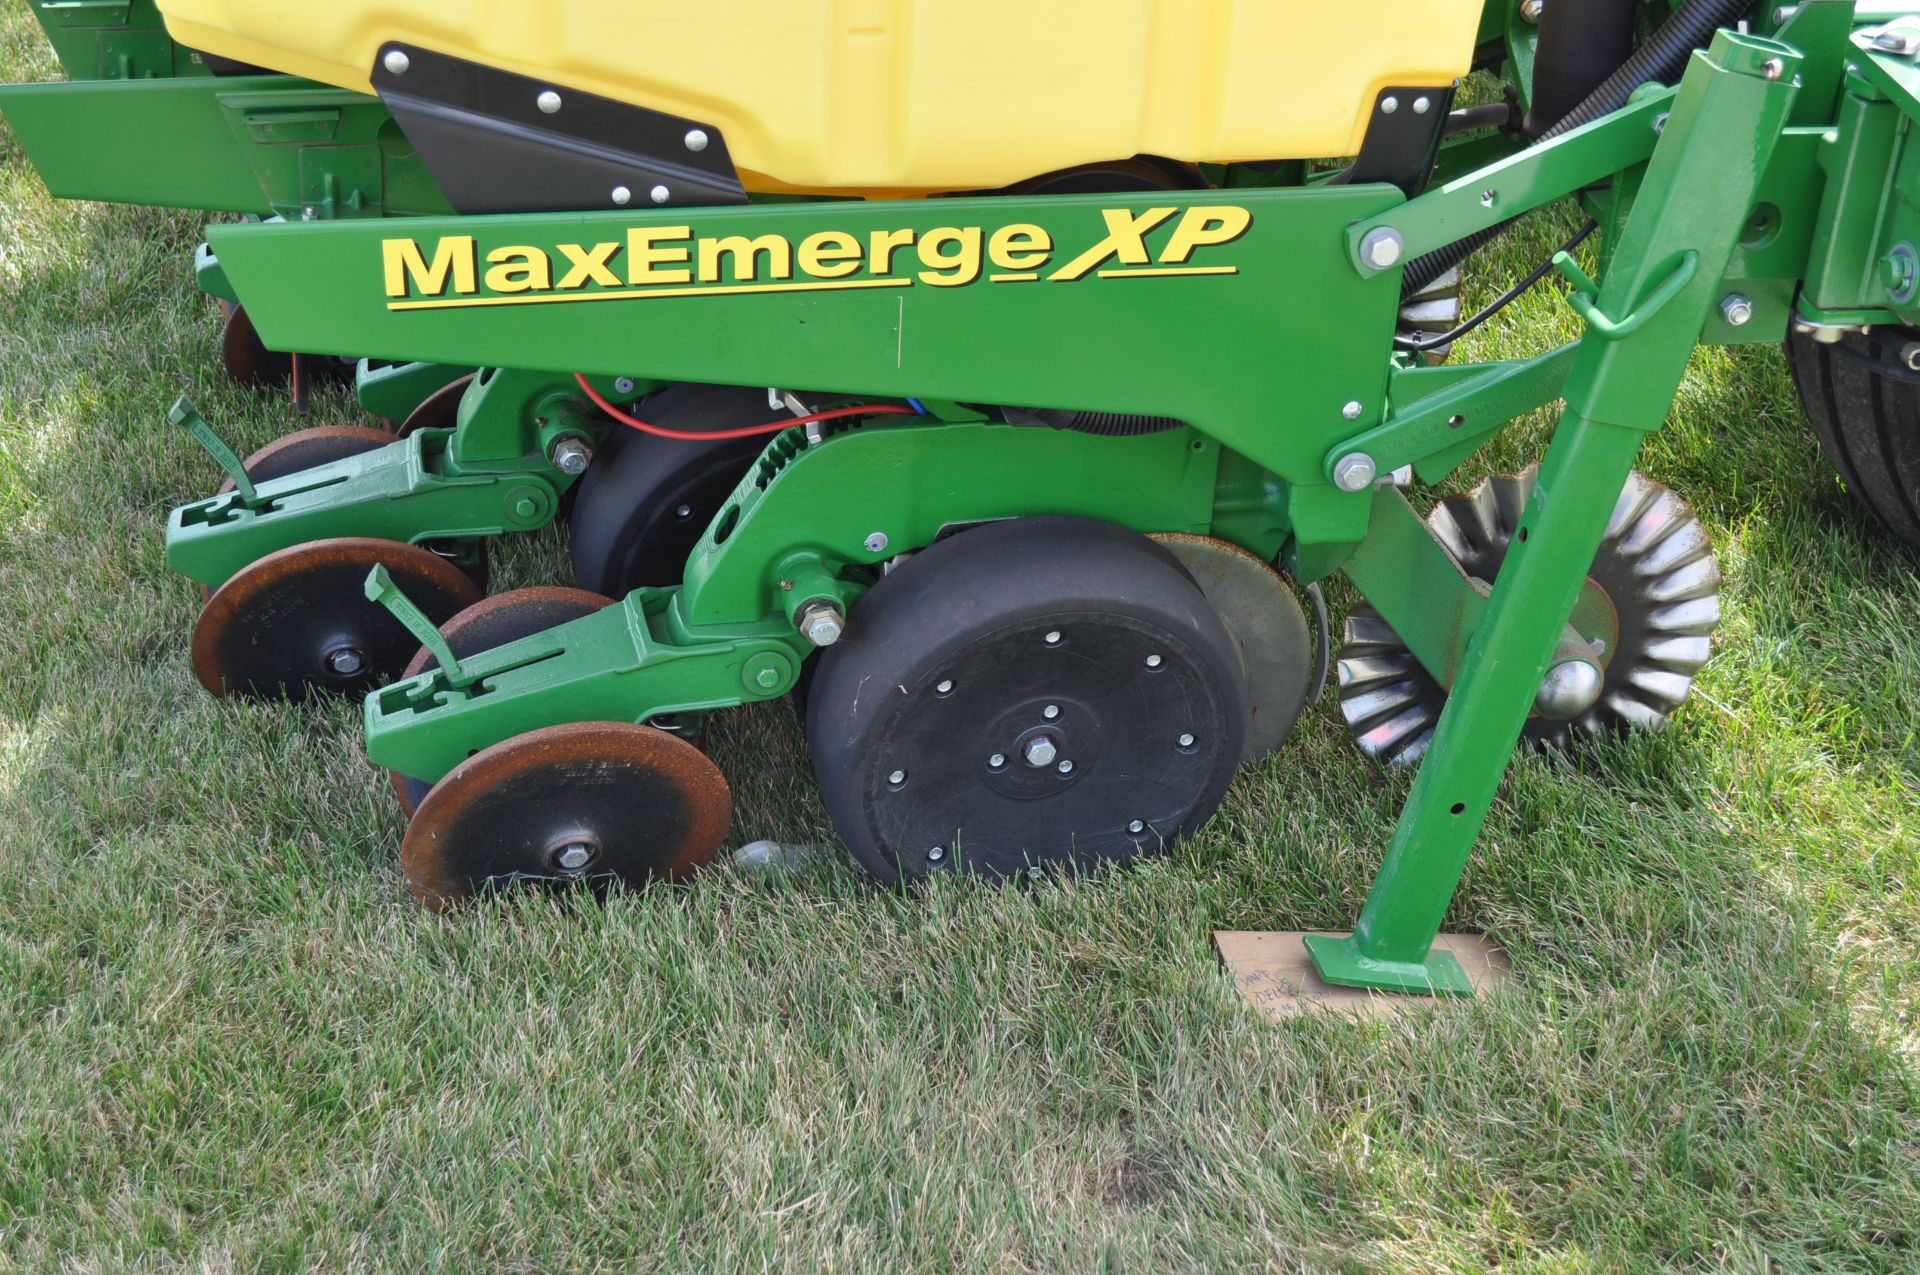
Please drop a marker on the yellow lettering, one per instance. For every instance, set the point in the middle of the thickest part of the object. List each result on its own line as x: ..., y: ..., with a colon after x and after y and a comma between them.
x: 518, y: 269
x: 1204, y: 227
x: 1020, y: 247
x: 645, y: 251
x: 882, y: 247
x: 746, y: 254
x: 829, y: 255
x: 452, y: 256
x: 589, y: 265
x: 1126, y: 240
x: 962, y: 262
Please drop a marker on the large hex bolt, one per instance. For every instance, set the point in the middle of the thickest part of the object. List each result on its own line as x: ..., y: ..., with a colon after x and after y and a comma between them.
x: 571, y: 455
x: 1381, y: 247
x: 821, y: 622
x: 1354, y: 472
x: 1569, y: 689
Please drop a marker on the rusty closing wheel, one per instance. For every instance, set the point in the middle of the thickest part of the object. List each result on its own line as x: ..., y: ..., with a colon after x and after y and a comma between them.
x: 248, y: 361
x: 491, y: 622
x: 438, y: 410
x: 299, y: 620
x: 308, y: 449
x: 585, y: 803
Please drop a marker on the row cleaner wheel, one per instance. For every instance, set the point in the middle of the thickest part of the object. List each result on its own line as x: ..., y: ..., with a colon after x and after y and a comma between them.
x: 1648, y: 609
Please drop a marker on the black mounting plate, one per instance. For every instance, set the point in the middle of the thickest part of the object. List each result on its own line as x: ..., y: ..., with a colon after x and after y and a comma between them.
x: 493, y: 148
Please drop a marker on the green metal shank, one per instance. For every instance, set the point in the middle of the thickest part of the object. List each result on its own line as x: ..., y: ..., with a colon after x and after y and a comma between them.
x: 1724, y: 125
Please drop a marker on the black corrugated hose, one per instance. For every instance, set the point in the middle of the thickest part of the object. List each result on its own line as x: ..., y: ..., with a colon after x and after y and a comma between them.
x: 1662, y: 58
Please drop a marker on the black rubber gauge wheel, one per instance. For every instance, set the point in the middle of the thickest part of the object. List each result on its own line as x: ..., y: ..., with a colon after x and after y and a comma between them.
x: 1039, y: 692
x: 645, y: 501
x: 1865, y: 407
x: 586, y: 803
x: 298, y: 620
x: 491, y: 622
x: 1648, y: 609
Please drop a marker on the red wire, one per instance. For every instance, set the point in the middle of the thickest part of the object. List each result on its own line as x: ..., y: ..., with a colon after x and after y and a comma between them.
x: 714, y: 436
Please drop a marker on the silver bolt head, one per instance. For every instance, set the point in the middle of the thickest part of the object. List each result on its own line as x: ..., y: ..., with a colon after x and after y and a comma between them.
x: 1421, y: 105
x: 623, y: 385
x: 1381, y: 247
x: 622, y: 196
x: 1352, y: 410
x: 1053, y: 637
x: 936, y: 854
x: 1354, y: 472
x: 1388, y: 105
x: 574, y: 856
x: 660, y: 194
x: 571, y: 456
x: 1530, y: 11
x: 1154, y: 661
x: 877, y: 542
x: 1186, y: 741
x: 1065, y: 768
x: 1050, y: 712
x: 1137, y: 826
x: 897, y: 778
x: 345, y: 661
x: 996, y: 761
x: 944, y: 688
x: 548, y: 102
x: 696, y: 139
x: 1736, y: 309
x: 1569, y: 689
x: 821, y: 623
x: 1773, y: 68
x: 396, y: 62
x: 1041, y: 751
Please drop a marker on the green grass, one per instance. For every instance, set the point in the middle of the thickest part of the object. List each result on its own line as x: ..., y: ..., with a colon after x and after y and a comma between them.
x: 230, y: 1040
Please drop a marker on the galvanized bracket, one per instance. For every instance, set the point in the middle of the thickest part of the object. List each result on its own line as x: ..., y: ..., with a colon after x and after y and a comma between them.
x: 184, y: 414
x: 1531, y: 179
x: 381, y: 588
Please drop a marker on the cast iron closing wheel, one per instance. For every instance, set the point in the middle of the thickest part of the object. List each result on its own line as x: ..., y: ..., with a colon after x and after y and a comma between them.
x: 438, y: 410
x: 299, y: 620
x: 491, y: 622
x: 645, y: 501
x: 593, y: 803
x: 1868, y: 420
x: 1648, y: 609
x: 247, y: 359
x: 1038, y: 692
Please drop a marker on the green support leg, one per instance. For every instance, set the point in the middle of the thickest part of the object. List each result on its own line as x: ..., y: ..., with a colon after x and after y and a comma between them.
x: 1663, y: 281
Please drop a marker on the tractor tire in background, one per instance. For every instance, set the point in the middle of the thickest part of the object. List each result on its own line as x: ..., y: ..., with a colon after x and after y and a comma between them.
x: 1868, y: 419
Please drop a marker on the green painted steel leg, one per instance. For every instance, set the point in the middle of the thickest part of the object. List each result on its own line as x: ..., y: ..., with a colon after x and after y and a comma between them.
x: 1641, y: 331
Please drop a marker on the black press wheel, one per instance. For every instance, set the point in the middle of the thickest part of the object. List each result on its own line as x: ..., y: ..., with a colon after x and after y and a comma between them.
x: 1865, y: 408
x: 1040, y: 692
x: 491, y: 622
x: 298, y: 620
x: 645, y: 501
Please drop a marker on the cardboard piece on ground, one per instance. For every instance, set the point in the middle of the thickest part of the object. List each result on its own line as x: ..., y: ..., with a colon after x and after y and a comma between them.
x: 1273, y: 971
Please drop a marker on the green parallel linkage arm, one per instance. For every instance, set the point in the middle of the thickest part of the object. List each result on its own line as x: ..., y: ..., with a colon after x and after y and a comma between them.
x: 1724, y: 124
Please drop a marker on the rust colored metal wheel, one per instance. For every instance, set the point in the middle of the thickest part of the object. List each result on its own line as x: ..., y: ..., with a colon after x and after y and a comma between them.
x: 438, y: 410
x: 307, y: 448
x: 491, y: 622
x: 298, y: 620
x: 585, y: 803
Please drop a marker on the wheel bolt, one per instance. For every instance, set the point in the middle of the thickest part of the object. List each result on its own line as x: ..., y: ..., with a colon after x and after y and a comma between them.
x: 573, y: 856
x: 1153, y: 661
x: 936, y: 854
x: 1050, y: 712
x: 945, y: 688
x: 1136, y: 827
x: 897, y: 778
x: 1065, y: 768
x: 996, y: 761
x: 345, y: 661
x: 1041, y: 751
x: 1186, y: 741
x: 1053, y: 638
x: 821, y: 622
x: 571, y: 456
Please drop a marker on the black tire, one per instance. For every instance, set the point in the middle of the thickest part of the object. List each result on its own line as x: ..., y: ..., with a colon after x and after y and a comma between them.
x: 953, y: 665
x: 1868, y: 421
x: 645, y: 501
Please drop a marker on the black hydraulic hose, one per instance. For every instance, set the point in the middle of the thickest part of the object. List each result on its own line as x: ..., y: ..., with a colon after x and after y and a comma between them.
x: 1662, y: 58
